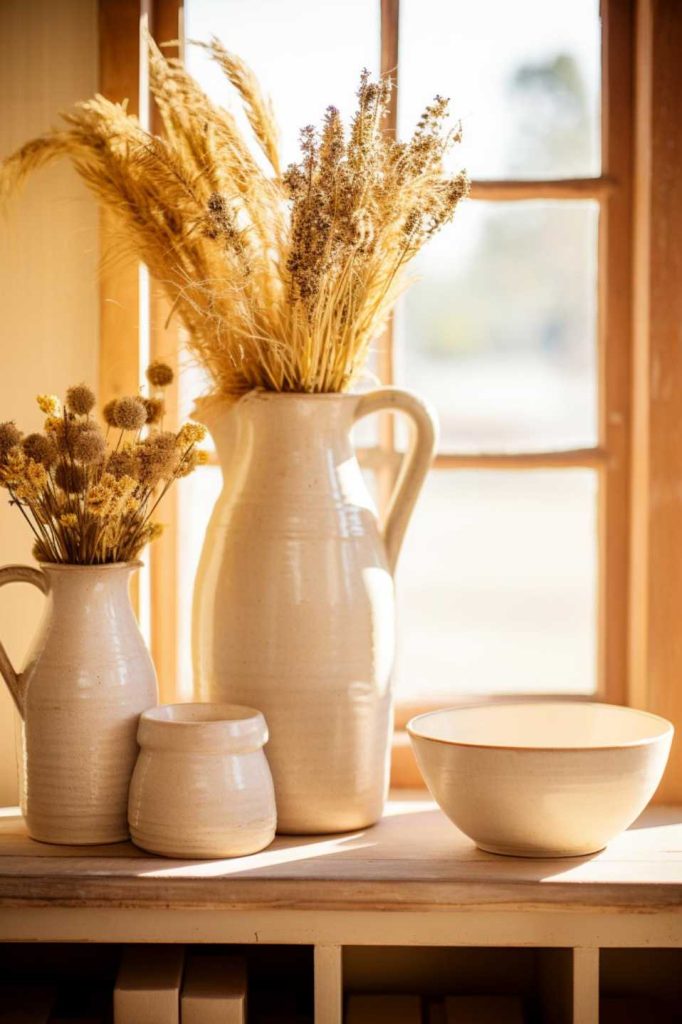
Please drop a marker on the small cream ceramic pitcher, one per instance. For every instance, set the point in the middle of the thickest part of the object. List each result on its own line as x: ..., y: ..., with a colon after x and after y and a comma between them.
x: 88, y: 678
x: 294, y: 609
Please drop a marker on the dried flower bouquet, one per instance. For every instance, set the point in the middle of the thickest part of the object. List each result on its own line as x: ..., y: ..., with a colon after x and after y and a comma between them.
x: 281, y: 279
x: 90, y: 502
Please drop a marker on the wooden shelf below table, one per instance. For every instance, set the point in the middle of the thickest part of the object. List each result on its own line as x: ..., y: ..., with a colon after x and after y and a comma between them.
x: 411, y: 880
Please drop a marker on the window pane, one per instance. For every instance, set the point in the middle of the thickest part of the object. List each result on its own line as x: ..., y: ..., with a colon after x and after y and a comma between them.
x: 522, y: 76
x: 499, y: 328
x: 307, y: 54
x: 497, y: 585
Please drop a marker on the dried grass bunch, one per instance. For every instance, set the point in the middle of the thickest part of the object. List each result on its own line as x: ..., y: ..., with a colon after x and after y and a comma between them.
x: 89, y: 496
x: 281, y: 279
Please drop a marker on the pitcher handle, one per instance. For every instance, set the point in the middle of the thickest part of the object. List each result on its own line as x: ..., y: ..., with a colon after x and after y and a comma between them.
x: 415, y: 463
x: 18, y: 574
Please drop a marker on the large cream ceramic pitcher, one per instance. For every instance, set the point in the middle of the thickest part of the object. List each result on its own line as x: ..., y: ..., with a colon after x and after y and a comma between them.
x: 87, y: 679
x: 294, y: 607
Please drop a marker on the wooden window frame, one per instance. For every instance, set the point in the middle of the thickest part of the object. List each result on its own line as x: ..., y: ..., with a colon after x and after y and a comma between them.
x: 631, y: 559
x: 126, y: 329
x: 612, y: 190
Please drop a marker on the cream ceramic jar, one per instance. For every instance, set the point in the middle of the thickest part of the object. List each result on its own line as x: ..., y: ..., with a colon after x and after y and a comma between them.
x: 202, y: 787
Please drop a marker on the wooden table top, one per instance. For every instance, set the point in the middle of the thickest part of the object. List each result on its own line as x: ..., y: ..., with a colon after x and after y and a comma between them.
x: 413, y: 859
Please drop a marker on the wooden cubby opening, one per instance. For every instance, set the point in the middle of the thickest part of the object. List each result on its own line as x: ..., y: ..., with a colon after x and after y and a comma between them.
x: 79, y: 978
x: 75, y: 979
x: 537, y: 983
x: 640, y: 986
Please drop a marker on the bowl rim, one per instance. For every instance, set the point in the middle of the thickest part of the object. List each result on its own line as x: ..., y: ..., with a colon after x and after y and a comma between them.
x: 667, y: 732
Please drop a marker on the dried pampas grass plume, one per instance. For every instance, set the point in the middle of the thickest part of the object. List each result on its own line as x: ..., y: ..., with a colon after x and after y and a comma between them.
x: 282, y: 280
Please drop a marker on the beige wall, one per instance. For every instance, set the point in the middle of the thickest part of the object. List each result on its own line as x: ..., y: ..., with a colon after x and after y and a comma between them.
x: 48, y: 271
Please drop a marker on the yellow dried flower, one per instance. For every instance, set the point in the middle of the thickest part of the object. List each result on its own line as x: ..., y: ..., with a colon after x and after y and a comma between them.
x: 22, y: 490
x: 191, y: 433
x: 151, y: 532
x: 17, y: 460
x: 49, y: 404
x: 188, y: 464
x: 80, y: 399
x: 100, y: 496
x: 55, y: 425
x: 31, y: 481
x: 202, y: 457
x: 69, y: 519
x: 98, y: 502
x: 107, y: 498
x: 13, y: 468
x: 159, y: 374
x: 36, y: 473
x: 124, y: 486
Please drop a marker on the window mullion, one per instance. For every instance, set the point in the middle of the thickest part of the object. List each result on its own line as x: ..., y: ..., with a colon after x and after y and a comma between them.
x: 165, y: 344
x: 615, y: 344
x: 519, y: 189
x: 386, y: 474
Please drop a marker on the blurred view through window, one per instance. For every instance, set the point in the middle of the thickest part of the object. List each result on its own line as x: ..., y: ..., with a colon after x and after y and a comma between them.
x: 497, y: 583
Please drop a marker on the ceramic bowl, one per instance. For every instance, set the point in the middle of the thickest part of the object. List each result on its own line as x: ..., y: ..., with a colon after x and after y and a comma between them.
x: 541, y: 779
x: 202, y: 787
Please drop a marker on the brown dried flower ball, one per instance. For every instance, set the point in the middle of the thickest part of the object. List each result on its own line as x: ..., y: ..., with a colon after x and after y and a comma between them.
x: 156, y: 458
x: 80, y: 399
x: 164, y: 441
x: 70, y: 477
x: 159, y: 374
x: 155, y: 409
x: 90, y: 447
x: 121, y: 463
x: 41, y: 553
x: 10, y: 436
x: 40, y: 448
x: 73, y: 428
x: 109, y: 412
x: 130, y: 413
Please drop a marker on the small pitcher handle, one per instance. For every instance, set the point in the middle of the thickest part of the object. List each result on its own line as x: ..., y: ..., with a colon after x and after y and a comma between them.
x: 18, y: 574
x: 415, y: 463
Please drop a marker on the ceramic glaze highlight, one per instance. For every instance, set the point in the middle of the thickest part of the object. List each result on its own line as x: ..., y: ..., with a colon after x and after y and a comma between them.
x: 294, y: 599
x: 87, y: 679
x: 202, y: 786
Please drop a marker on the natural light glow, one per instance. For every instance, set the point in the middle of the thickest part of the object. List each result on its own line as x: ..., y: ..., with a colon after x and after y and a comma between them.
x: 497, y: 585
x: 519, y: 75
